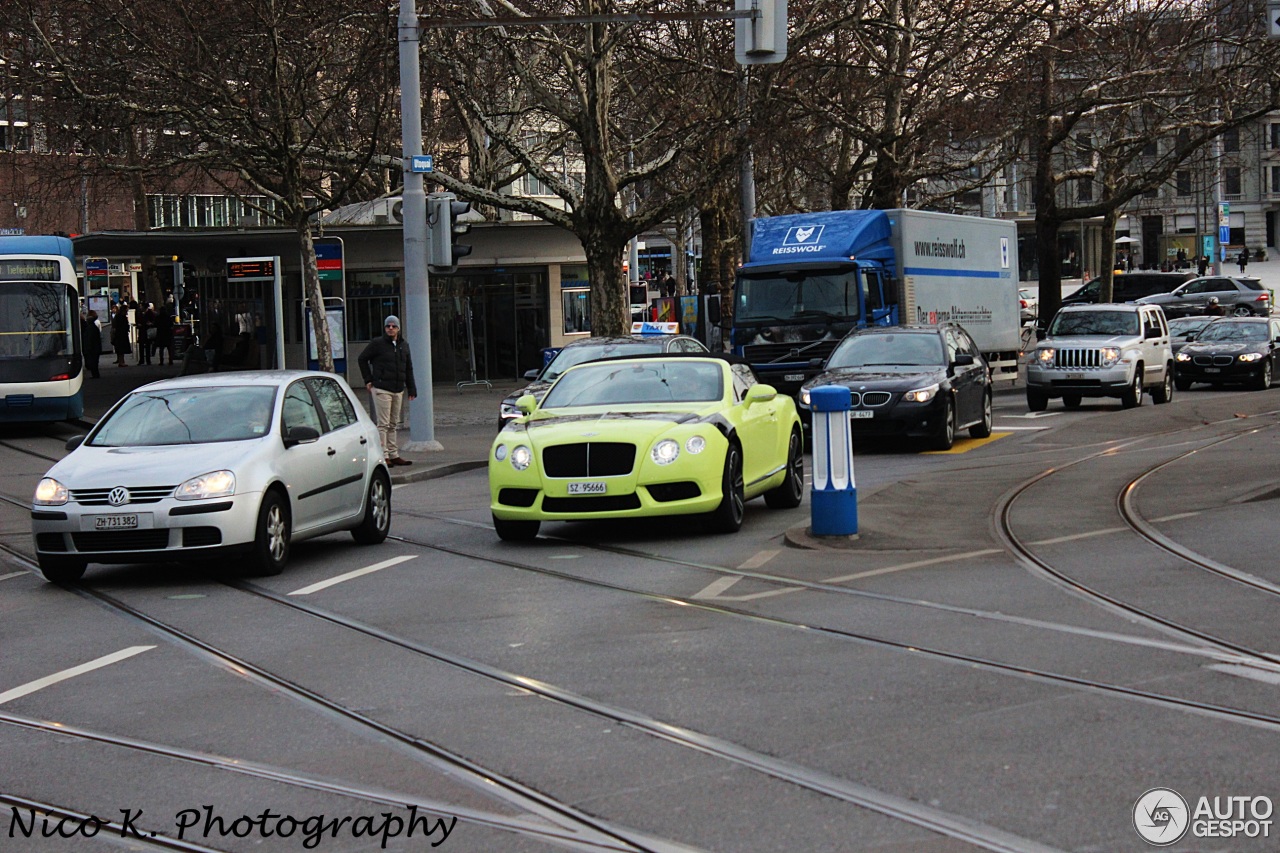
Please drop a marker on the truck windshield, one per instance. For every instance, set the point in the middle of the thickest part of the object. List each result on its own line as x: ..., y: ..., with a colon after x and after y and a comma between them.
x: 797, y: 296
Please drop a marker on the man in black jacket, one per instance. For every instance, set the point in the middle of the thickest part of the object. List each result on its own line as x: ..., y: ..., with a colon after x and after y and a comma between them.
x: 387, y: 370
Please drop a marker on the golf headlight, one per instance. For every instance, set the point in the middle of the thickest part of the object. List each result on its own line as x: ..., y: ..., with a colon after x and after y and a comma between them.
x: 216, y: 484
x: 1109, y: 355
x: 521, y: 457
x: 1251, y: 356
x: 50, y: 492
x: 500, y: 452
x: 1045, y: 355
x: 1182, y: 356
x: 697, y: 444
x: 665, y: 451
x: 804, y: 396
x: 921, y: 395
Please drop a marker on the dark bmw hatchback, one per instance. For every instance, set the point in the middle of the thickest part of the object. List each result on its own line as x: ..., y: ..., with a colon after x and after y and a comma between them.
x: 1231, y: 349
x: 921, y: 381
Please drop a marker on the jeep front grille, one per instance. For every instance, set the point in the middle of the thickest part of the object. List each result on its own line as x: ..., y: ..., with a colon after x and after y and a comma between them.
x: 1073, y: 358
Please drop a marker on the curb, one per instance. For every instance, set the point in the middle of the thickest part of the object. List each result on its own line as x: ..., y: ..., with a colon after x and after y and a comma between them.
x: 436, y: 472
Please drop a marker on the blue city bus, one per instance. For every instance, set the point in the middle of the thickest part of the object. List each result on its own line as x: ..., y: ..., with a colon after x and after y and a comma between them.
x: 41, y: 355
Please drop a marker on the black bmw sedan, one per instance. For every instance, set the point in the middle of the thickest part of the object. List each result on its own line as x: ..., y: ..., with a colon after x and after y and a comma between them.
x: 1232, y: 349
x: 921, y: 381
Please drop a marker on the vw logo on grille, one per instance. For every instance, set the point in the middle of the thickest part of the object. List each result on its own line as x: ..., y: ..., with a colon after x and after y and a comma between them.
x: 119, y: 496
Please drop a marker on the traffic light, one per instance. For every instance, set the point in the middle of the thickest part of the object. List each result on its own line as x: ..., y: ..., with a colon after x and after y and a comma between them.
x: 443, y: 221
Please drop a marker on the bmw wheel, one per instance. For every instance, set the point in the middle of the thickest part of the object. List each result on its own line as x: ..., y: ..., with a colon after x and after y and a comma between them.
x: 791, y: 491
x: 727, y: 518
x: 983, y: 429
x: 945, y: 437
x: 271, y: 546
x: 376, y: 523
x: 1263, y: 381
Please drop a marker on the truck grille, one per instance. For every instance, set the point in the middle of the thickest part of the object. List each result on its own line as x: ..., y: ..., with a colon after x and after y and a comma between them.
x: 1077, y: 358
x: 788, y: 351
x: 589, y: 459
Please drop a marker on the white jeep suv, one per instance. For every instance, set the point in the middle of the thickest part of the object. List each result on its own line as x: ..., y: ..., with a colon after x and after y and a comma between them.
x: 1107, y: 350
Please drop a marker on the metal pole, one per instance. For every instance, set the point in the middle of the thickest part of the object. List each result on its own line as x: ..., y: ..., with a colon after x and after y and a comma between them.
x: 417, y: 300
x: 748, y: 177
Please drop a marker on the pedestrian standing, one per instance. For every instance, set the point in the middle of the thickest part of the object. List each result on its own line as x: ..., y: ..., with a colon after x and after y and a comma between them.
x: 1202, y: 264
x: 91, y: 339
x: 164, y: 335
x: 120, y: 333
x: 387, y: 369
x: 1243, y: 260
x: 146, y: 333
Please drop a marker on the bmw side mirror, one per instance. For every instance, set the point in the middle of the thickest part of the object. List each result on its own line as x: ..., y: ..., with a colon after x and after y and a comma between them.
x: 301, y: 435
x: 76, y: 440
x: 531, y: 374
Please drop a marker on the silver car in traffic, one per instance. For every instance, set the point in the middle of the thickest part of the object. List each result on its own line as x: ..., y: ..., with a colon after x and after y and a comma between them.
x: 214, y: 466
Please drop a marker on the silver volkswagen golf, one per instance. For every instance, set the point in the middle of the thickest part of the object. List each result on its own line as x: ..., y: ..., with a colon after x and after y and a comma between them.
x: 212, y: 466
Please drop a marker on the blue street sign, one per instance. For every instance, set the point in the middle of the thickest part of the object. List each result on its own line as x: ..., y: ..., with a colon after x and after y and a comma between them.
x: 1224, y: 234
x: 422, y: 163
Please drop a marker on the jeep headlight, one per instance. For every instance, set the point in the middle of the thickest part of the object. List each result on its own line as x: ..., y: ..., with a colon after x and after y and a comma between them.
x: 49, y: 492
x: 921, y: 395
x: 521, y: 457
x: 1250, y: 356
x: 1182, y: 357
x: 216, y: 484
x: 1045, y: 355
x: 1109, y: 355
x: 665, y: 451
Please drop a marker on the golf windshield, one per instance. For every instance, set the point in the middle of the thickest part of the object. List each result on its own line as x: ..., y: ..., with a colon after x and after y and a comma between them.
x: 188, y: 416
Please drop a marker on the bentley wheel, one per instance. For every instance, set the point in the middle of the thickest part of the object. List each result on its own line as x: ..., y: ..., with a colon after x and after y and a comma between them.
x: 516, y: 531
x: 791, y: 491
x: 727, y: 518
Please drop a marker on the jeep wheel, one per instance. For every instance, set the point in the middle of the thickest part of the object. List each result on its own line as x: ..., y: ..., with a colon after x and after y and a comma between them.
x: 1132, y: 397
x: 1071, y: 401
x: 1164, y: 393
x: 1037, y: 401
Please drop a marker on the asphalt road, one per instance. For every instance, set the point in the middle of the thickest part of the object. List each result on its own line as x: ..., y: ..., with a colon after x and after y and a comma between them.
x: 1008, y: 657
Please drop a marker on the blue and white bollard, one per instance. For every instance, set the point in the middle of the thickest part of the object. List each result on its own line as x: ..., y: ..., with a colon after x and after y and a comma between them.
x: 834, y: 499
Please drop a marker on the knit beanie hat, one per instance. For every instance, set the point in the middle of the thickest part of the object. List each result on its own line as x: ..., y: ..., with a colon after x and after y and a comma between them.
x: 392, y: 320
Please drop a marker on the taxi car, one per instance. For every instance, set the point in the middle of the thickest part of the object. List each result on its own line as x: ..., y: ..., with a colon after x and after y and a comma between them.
x: 646, y: 436
x: 225, y: 464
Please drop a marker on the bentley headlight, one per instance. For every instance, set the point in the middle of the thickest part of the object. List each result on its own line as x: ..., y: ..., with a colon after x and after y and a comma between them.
x: 665, y: 451
x: 217, y: 484
x: 50, y: 492
x: 697, y: 444
x: 500, y: 452
x: 1045, y: 355
x: 1250, y: 356
x: 521, y: 457
x: 921, y: 395
x: 1109, y: 355
x: 1182, y: 357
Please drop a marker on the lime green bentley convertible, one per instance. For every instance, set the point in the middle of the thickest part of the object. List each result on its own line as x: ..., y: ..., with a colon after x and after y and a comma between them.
x: 646, y: 436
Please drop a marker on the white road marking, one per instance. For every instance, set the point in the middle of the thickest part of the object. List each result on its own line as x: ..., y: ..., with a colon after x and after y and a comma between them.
x: 717, y: 586
x: 1248, y: 672
x: 13, y: 575
x: 968, y: 555
x: 759, y: 560
x: 1037, y: 415
x: 41, y: 683
x: 376, y: 567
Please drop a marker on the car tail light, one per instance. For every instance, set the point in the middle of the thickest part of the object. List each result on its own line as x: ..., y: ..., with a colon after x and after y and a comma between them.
x: 60, y: 377
x: 1263, y: 297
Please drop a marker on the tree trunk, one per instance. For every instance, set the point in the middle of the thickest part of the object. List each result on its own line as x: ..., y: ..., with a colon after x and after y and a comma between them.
x: 1107, y: 290
x: 315, y: 299
x: 610, y: 299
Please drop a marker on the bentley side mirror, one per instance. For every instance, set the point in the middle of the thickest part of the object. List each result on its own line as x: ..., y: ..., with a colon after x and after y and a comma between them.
x: 760, y: 394
x: 527, y: 404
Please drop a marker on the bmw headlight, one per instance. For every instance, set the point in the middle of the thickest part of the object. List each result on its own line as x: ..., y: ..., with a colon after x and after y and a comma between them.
x: 50, y: 492
x: 804, y: 396
x: 921, y: 395
x: 500, y: 452
x: 1109, y: 355
x: 1182, y: 357
x: 521, y: 457
x: 697, y: 444
x: 1250, y: 356
x: 665, y: 451
x: 216, y: 484
x: 1045, y: 355
x: 508, y: 409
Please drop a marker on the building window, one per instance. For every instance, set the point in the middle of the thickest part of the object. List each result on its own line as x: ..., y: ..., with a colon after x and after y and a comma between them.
x: 1084, y: 189
x: 1231, y: 140
x: 1275, y: 179
x: 371, y: 296
x: 1151, y: 149
x: 15, y: 137
x: 1275, y: 136
x: 1153, y: 192
x: 577, y: 311
x: 1231, y: 181
x: 1182, y: 182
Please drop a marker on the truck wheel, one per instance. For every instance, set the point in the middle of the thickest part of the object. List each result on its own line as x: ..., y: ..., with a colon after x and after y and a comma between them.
x: 1037, y: 401
x: 983, y: 429
x: 1132, y: 397
x: 1071, y: 401
x: 946, y: 435
x: 1164, y: 393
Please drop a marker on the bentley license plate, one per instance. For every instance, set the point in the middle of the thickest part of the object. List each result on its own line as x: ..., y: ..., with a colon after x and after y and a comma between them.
x: 595, y: 488
x: 793, y: 377
x: 861, y: 414
x: 115, y: 522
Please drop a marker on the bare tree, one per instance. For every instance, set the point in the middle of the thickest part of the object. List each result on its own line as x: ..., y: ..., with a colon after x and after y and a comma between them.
x: 624, y: 124
x: 289, y: 101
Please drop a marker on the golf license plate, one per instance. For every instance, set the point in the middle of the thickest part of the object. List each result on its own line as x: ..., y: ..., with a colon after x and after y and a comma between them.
x: 115, y: 522
x: 862, y: 414
x: 591, y: 488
